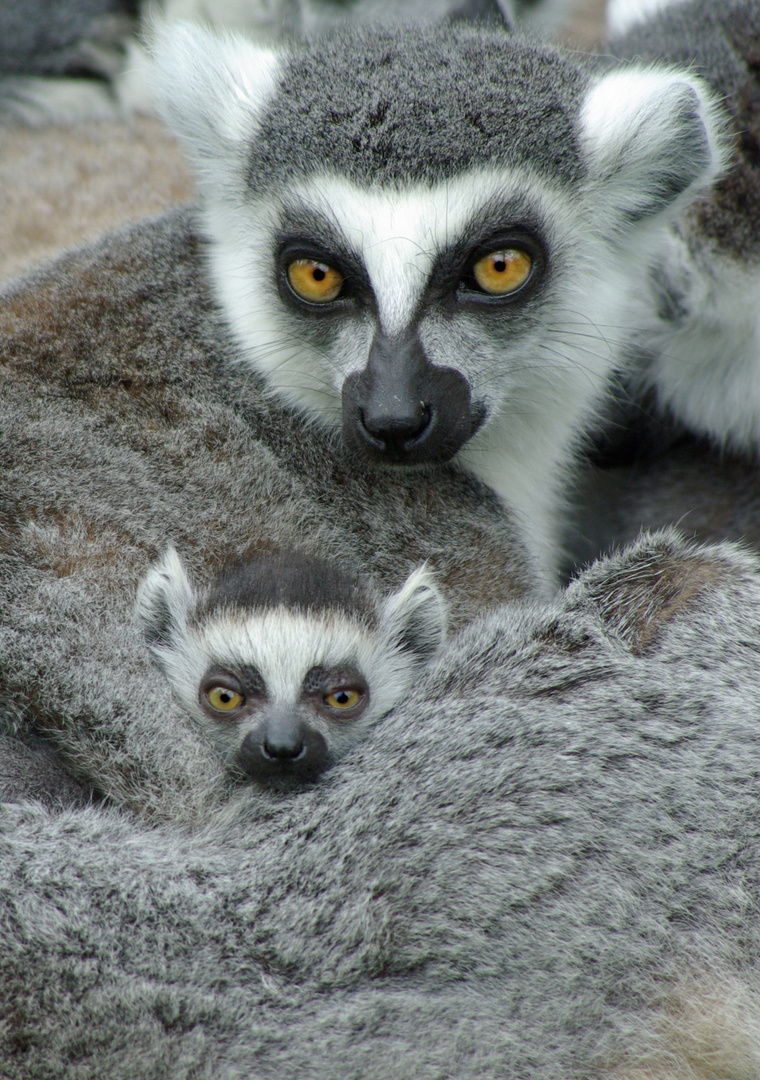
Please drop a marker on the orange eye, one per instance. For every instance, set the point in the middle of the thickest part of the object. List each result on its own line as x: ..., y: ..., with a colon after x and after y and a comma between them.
x: 223, y: 699
x: 343, y: 698
x: 314, y: 281
x: 502, y: 272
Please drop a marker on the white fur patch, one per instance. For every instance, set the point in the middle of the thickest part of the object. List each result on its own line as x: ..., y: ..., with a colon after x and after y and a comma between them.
x: 210, y: 88
x: 642, y: 125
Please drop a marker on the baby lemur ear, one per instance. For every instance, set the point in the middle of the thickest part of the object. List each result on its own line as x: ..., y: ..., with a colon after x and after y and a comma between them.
x: 414, y: 618
x: 653, y: 139
x: 210, y: 88
x: 164, y: 600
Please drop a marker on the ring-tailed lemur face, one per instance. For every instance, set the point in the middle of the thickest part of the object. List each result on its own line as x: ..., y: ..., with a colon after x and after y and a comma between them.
x: 426, y: 237
x: 285, y: 662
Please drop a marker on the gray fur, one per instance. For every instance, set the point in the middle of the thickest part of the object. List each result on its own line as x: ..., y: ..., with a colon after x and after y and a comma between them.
x: 389, y: 119
x: 128, y: 422
x: 710, y: 495
x: 543, y: 865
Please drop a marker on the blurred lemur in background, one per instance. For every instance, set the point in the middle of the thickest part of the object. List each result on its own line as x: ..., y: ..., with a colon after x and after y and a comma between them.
x: 681, y: 442
x: 85, y: 59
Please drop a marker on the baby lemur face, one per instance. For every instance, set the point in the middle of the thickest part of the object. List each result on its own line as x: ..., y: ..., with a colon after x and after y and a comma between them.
x: 286, y: 662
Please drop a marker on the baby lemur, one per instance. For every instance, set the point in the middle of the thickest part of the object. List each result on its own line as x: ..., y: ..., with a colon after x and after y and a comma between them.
x: 286, y: 660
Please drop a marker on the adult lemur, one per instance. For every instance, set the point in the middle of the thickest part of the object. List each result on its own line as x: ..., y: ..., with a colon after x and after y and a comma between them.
x: 433, y: 225
x: 427, y: 238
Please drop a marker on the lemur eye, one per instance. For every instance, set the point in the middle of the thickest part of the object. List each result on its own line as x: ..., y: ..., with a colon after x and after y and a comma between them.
x: 223, y: 699
x: 314, y: 281
x: 502, y: 272
x: 343, y: 697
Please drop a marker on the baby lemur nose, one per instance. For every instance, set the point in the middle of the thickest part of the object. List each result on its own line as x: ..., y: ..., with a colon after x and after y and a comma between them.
x: 282, y: 748
x: 283, y: 737
x: 283, y: 751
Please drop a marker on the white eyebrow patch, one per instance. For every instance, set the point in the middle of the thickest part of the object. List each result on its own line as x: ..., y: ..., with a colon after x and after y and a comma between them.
x: 398, y: 235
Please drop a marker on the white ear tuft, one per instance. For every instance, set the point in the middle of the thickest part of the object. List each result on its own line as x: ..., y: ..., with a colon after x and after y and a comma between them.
x: 209, y: 88
x: 415, y: 616
x: 164, y: 600
x: 653, y: 140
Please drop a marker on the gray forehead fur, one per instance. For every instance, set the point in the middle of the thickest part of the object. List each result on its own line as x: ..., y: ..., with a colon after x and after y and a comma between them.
x: 419, y: 104
x: 720, y: 42
x: 292, y: 580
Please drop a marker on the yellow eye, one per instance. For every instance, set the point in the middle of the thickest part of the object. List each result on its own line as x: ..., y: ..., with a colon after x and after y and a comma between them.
x: 502, y: 272
x: 343, y: 698
x: 223, y: 699
x: 314, y: 281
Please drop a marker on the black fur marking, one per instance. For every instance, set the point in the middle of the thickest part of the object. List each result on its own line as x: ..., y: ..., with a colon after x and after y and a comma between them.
x: 161, y: 628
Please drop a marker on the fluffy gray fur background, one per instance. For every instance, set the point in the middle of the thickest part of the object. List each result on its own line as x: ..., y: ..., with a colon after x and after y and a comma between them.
x: 543, y: 865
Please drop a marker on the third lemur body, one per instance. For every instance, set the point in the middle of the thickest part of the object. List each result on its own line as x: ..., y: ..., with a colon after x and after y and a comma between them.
x: 426, y: 238
x: 684, y: 443
x: 286, y: 661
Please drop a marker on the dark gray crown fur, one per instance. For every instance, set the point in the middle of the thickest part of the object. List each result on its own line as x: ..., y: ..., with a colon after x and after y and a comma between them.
x: 356, y: 121
x: 292, y: 580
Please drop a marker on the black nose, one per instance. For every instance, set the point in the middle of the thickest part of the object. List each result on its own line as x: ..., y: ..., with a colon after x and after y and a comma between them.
x: 403, y: 410
x: 296, y: 754
x: 395, y: 425
x: 283, y: 747
x: 283, y: 740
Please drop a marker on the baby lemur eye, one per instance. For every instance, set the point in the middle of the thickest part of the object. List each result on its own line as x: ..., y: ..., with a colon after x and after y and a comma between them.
x: 343, y: 697
x: 223, y: 699
x: 314, y: 281
x: 502, y: 272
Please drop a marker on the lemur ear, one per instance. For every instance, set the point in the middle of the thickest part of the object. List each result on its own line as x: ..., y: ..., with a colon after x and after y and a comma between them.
x: 415, y: 617
x: 653, y: 139
x: 164, y: 599
x: 209, y: 88
x: 639, y: 592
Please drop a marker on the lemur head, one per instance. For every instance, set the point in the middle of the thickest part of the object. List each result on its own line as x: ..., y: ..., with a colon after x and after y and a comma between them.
x: 286, y: 661
x: 423, y: 235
